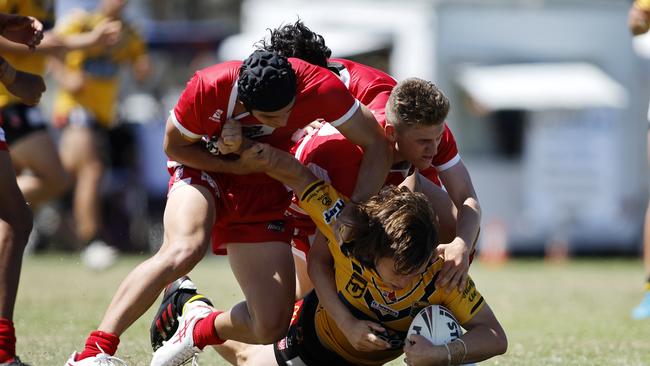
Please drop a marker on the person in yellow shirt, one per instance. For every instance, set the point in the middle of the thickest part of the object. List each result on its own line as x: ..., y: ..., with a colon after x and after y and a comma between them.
x: 15, y: 216
x: 385, y: 271
x: 85, y: 106
x: 25, y: 128
x: 639, y: 23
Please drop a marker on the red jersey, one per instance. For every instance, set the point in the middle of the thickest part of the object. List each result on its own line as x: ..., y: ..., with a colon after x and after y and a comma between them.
x: 370, y: 86
x: 336, y: 160
x: 210, y: 96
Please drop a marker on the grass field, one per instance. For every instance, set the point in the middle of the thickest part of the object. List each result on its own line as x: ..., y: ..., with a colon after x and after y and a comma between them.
x: 571, y: 314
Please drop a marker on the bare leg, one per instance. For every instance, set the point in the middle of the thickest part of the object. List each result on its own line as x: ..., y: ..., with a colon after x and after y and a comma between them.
x: 15, y: 226
x: 80, y: 156
x: 38, y: 153
x: 265, y: 273
x: 188, y: 220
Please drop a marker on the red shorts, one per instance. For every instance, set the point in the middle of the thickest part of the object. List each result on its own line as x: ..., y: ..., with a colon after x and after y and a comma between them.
x: 3, y: 143
x: 250, y: 209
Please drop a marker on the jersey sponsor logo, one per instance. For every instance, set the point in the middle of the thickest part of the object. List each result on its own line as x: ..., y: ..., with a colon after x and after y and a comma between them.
x: 277, y: 226
x: 333, y: 212
x: 383, y: 309
x: 254, y: 131
x: 454, y: 331
x: 206, y: 177
x: 470, y: 291
x: 216, y: 116
x: 356, y: 286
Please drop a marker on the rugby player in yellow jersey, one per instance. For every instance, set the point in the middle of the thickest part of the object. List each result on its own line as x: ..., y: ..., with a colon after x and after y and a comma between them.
x: 86, y: 105
x: 385, y: 273
x: 15, y: 216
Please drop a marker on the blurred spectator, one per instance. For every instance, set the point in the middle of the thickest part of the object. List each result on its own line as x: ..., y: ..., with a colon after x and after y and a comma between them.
x: 40, y: 173
x: 85, y: 107
x: 638, y: 22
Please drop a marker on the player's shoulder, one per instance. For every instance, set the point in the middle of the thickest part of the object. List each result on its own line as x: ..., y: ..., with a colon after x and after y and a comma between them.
x: 224, y: 72
x: 306, y: 72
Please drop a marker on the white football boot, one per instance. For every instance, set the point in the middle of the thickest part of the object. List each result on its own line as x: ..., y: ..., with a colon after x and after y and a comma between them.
x: 180, y: 349
x: 102, y: 359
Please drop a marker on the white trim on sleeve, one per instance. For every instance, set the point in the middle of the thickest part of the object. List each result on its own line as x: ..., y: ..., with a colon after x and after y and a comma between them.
x: 347, y: 115
x: 453, y: 161
x: 181, y: 128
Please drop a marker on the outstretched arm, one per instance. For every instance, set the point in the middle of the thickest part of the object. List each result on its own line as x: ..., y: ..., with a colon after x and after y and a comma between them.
x: 279, y: 165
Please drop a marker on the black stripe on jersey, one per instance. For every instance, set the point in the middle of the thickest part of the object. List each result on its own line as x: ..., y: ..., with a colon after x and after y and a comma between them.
x: 479, y: 302
x: 357, y: 268
x: 312, y: 187
x: 431, y: 288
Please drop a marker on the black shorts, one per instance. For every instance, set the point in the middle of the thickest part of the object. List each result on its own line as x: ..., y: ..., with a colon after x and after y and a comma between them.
x: 19, y: 120
x: 301, y: 346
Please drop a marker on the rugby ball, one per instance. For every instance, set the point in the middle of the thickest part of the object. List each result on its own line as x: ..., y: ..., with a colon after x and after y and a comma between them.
x: 437, y: 324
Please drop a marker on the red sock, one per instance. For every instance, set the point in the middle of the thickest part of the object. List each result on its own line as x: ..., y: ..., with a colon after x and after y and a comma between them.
x: 106, y: 341
x: 204, y: 331
x: 7, y: 340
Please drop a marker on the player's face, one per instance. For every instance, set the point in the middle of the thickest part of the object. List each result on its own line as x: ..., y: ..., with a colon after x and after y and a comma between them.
x: 385, y: 268
x: 418, y: 145
x: 274, y: 119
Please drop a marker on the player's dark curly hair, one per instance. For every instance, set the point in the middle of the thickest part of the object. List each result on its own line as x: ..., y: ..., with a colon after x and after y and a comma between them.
x: 396, y: 223
x: 416, y: 102
x: 296, y: 40
x: 266, y: 82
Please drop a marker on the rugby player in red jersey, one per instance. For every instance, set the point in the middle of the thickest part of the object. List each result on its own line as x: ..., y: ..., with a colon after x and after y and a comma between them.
x: 212, y: 199
x: 420, y: 139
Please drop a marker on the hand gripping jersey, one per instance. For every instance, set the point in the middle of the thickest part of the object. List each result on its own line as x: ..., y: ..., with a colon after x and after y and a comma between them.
x: 101, y: 67
x: 366, y: 296
x: 252, y: 207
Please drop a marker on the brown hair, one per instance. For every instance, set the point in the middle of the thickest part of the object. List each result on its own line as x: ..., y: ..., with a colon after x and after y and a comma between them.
x: 396, y: 223
x: 416, y: 102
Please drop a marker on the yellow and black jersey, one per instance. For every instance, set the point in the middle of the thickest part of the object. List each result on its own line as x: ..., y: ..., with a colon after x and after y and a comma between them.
x: 34, y: 63
x: 100, y: 66
x: 364, y: 293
